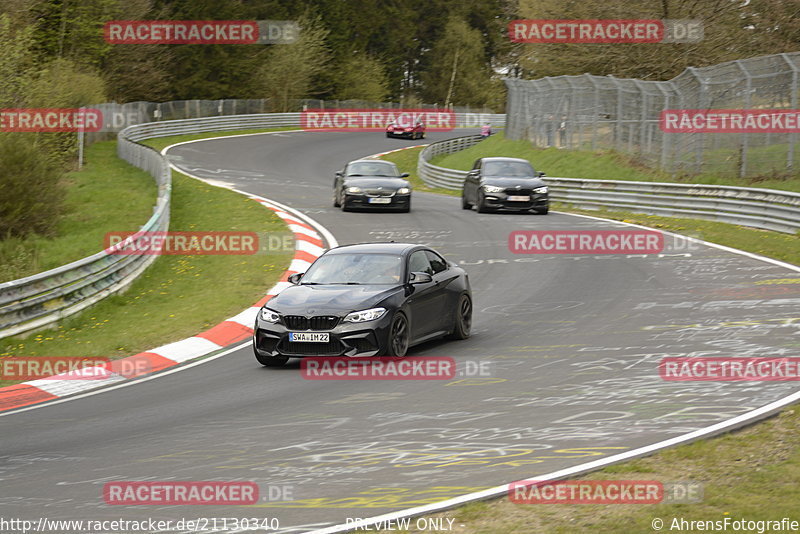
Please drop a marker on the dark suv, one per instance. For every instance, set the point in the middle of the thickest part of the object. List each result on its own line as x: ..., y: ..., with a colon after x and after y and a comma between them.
x: 504, y: 183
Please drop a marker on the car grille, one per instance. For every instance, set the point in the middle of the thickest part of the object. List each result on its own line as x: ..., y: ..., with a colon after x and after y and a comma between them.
x: 379, y: 192
x: 331, y: 348
x: 318, y: 322
x: 514, y: 191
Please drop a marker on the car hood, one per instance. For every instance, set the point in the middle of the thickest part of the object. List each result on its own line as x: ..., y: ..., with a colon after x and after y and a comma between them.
x: 329, y: 299
x: 371, y: 182
x: 500, y: 181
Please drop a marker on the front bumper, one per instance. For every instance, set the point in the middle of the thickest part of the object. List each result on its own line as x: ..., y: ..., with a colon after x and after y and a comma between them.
x: 362, y: 201
x: 346, y: 339
x: 500, y: 201
x: 404, y: 135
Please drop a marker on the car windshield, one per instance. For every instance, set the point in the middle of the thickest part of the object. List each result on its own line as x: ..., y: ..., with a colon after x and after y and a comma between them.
x: 342, y: 268
x: 508, y: 168
x: 371, y: 169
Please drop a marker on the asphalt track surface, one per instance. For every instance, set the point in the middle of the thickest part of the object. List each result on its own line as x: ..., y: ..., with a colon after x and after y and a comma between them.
x: 572, y: 345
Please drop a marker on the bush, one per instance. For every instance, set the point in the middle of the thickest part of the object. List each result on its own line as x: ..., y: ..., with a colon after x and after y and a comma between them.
x: 31, y: 192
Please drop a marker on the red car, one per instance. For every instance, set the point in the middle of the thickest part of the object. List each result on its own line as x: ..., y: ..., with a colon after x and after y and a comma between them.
x: 407, y: 132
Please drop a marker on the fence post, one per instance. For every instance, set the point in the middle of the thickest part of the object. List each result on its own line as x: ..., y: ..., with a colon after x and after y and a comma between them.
x: 745, y: 137
x: 793, y: 105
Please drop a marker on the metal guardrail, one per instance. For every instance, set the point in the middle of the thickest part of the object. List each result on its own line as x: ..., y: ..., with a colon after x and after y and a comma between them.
x: 769, y: 209
x: 42, y: 299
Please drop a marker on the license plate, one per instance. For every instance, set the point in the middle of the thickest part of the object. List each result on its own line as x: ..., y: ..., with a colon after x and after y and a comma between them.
x: 310, y: 337
x: 380, y: 200
x: 519, y: 198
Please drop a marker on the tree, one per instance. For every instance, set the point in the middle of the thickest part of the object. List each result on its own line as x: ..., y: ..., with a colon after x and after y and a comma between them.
x: 361, y: 77
x: 31, y: 184
x: 290, y: 70
x: 457, y: 71
x: 17, y: 65
x: 733, y: 30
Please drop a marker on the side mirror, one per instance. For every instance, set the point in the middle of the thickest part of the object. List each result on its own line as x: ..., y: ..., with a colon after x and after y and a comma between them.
x: 420, y: 278
x: 339, y: 174
x: 541, y: 174
x: 295, y: 278
x: 404, y: 175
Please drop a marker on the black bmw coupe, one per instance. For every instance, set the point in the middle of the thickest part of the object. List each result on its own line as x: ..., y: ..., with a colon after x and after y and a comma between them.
x: 370, y: 299
x: 504, y: 183
x: 371, y: 184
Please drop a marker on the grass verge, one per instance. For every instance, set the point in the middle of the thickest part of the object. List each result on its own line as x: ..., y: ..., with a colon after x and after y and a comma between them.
x: 177, y: 296
x: 753, y: 474
x: 107, y: 194
x: 600, y: 165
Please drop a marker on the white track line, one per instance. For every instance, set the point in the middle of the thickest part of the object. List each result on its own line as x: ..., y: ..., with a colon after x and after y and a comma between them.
x: 191, y: 347
x: 499, y: 491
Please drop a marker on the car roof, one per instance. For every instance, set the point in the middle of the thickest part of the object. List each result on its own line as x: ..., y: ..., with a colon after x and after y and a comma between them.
x: 372, y: 161
x: 377, y: 248
x: 497, y: 158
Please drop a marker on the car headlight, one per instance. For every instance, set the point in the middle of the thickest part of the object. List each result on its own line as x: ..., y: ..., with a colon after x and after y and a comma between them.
x: 353, y: 189
x: 364, y: 315
x: 492, y: 188
x: 269, y: 315
x: 403, y: 191
x: 540, y: 190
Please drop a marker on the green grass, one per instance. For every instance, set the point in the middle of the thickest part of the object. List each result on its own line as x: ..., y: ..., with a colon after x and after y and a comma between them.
x: 753, y: 474
x: 107, y: 194
x: 602, y: 165
x: 177, y: 296
x: 406, y: 161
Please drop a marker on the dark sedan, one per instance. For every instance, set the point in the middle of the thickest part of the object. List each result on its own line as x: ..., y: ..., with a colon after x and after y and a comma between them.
x: 504, y: 183
x: 365, y: 300
x: 371, y: 184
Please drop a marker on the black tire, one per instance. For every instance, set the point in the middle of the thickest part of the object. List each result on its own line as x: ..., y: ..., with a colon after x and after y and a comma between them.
x: 388, y: 136
x: 464, y: 204
x: 407, y: 208
x: 543, y: 211
x: 271, y: 361
x: 482, y: 207
x: 336, y: 203
x: 397, y: 343
x: 463, y: 322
